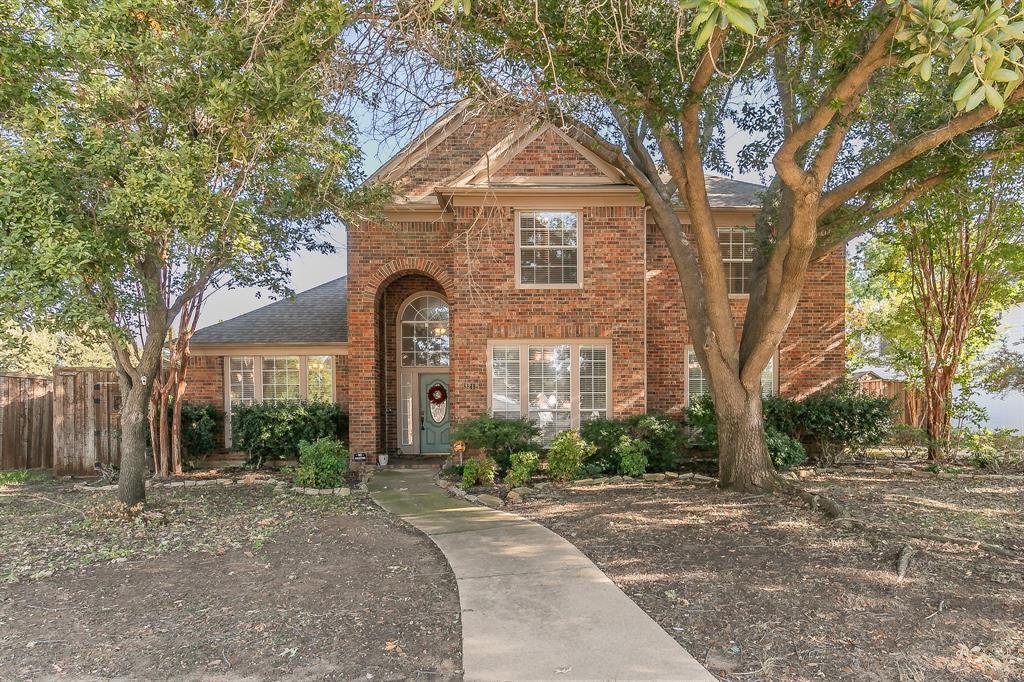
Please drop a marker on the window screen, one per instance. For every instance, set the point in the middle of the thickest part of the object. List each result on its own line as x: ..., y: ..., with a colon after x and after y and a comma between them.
x: 548, y: 248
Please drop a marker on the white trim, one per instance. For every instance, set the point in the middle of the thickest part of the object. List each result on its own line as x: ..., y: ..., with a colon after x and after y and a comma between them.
x: 574, y: 376
x: 519, y: 248
x: 421, y: 145
x: 237, y: 349
x: 414, y: 373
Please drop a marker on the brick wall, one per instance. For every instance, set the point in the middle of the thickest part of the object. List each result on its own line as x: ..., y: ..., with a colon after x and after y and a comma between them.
x: 548, y: 155
x: 812, y: 353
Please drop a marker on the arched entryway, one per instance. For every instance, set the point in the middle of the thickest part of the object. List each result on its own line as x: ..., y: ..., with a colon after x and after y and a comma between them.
x: 423, y: 399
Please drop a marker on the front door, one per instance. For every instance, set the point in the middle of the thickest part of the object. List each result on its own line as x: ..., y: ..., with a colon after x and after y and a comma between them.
x: 435, y: 411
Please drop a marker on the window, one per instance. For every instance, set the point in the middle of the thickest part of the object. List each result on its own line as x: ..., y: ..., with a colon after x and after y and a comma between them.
x: 550, y: 389
x: 425, y: 332
x: 697, y: 384
x: 319, y: 378
x: 281, y: 378
x: 548, y: 248
x: 505, y: 383
x: 555, y: 385
x: 737, y: 246
x: 593, y: 382
x: 242, y: 381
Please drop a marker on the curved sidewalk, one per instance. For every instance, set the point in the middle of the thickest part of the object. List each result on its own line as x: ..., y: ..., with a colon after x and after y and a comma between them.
x: 533, y: 606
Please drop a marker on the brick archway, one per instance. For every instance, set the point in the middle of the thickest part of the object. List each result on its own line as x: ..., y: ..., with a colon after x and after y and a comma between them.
x: 400, y: 267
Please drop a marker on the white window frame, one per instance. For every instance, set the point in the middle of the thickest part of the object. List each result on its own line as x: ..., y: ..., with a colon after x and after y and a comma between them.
x: 728, y: 279
x: 258, y: 380
x: 574, y: 372
x: 519, y: 249
x: 686, y: 373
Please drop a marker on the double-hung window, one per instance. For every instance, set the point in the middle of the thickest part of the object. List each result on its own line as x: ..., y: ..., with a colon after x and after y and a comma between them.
x: 242, y: 381
x: 737, y: 247
x: 556, y: 385
x: 548, y: 249
x: 279, y: 378
x: 697, y: 383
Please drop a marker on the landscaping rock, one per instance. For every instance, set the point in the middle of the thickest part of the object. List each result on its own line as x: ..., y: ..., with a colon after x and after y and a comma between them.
x: 513, y: 497
x: 804, y: 473
x: 654, y: 477
x: 472, y: 499
x: 175, y: 484
x: 490, y: 500
x: 227, y: 481
x: 671, y: 474
x: 702, y: 477
x: 589, y: 481
x: 543, y: 485
x: 342, y: 492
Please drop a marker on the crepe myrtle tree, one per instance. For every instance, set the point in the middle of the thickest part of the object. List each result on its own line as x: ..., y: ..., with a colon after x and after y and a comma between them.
x: 167, y: 148
x: 853, y: 108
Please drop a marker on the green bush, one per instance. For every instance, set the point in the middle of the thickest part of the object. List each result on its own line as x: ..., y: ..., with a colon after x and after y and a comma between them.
x: 632, y: 456
x: 785, y: 452
x: 522, y: 467
x: 322, y: 463
x: 566, y: 455
x: 478, y: 472
x: 199, y: 427
x: 498, y: 438
x: 603, y: 435
x: 268, y: 431
x: 663, y: 436
x: 907, y: 438
x: 833, y: 420
x: 840, y: 419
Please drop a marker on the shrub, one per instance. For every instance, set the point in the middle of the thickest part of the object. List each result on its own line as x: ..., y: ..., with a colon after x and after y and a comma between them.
x: 785, y: 451
x: 839, y: 419
x: 566, y: 455
x: 322, y: 463
x: 478, y: 472
x: 632, y: 456
x: 199, y: 426
x: 273, y: 430
x: 700, y: 417
x: 663, y: 437
x: 907, y: 438
x: 603, y: 435
x: 499, y: 438
x: 522, y: 467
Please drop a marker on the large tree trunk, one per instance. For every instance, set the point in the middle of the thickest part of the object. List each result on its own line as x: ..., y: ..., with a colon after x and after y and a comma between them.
x: 131, y: 486
x: 743, y: 461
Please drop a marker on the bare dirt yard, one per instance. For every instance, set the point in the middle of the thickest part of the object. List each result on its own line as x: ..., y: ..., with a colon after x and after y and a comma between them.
x: 222, y: 582
x: 763, y: 588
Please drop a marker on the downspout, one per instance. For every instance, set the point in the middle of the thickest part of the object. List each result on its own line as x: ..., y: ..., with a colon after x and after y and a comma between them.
x: 643, y: 235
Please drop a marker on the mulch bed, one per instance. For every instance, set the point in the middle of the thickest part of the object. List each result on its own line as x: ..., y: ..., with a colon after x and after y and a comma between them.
x: 762, y: 588
x: 220, y: 583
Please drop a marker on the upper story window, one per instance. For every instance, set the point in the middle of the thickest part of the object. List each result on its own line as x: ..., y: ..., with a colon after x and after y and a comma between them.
x: 548, y: 249
x: 425, y: 332
x: 737, y: 246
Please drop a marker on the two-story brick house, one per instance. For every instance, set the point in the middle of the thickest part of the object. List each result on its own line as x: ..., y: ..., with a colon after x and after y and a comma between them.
x: 514, y: 273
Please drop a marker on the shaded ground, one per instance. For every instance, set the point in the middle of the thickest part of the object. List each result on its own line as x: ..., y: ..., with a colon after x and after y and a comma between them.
x: 759, y: 588
x: 235, y: 582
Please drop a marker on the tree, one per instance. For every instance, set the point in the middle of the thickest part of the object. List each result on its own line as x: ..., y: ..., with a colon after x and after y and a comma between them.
x: 939, y: 275
x: 1003, y: 371
x: 38, y: 351
x: 165, y: 148
x: 854, y: 108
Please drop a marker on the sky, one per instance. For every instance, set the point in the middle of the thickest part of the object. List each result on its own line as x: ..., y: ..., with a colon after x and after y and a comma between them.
x: 311, y: 269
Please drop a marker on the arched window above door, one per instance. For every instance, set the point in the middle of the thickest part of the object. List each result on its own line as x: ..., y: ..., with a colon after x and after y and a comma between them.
x: 426, y: 332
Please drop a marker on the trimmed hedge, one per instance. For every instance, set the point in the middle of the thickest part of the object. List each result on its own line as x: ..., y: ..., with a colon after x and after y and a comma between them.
x: 498, y: 438
x: 662, y: 435
x: 199, y: 427
x: 267, y: 431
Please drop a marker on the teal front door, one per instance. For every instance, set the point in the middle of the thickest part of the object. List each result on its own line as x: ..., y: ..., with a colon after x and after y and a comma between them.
x: 435, y: 411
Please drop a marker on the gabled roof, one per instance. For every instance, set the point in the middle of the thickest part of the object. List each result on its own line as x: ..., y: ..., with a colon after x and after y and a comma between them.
x: 315, y: 316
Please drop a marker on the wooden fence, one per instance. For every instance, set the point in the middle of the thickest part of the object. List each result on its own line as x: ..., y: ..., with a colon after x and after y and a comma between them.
x: 26, y: 421
x: 86, y: 420
x: 909, y: 401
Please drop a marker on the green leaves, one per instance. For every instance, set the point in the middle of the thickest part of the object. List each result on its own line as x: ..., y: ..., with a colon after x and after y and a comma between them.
x: 747, y: 16
x: 987, y: 37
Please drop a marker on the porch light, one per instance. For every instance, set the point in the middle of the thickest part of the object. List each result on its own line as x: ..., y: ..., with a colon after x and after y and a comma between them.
x: 440, y: 331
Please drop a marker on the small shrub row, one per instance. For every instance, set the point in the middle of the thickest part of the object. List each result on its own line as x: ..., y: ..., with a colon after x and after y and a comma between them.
x: 267, y: 431
x: 522, y: 467
x: 662, y: 436
x: 498, y: 438
x: 831, y: 422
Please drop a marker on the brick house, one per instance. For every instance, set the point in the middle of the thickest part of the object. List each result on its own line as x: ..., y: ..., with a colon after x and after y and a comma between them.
x: 514, y: 273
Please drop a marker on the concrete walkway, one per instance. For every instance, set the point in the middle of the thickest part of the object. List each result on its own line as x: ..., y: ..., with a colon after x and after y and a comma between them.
x: 533, y: 607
